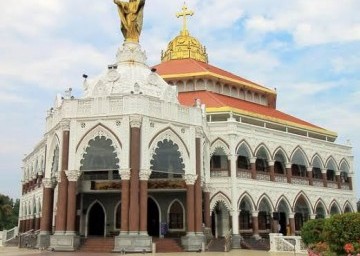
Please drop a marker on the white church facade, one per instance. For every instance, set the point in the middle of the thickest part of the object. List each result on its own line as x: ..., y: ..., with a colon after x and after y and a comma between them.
x: 181, y: 149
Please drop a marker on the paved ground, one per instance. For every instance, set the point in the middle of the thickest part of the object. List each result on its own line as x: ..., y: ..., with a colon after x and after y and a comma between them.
x: 10, y: 251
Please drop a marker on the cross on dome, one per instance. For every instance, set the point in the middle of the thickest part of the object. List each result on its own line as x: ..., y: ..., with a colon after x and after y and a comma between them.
x: 185, y: 12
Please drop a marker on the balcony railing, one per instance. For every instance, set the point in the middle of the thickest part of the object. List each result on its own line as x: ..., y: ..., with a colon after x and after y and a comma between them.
x: 218, y: 172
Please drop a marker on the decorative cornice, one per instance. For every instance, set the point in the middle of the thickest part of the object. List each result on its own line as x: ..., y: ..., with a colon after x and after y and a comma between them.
x: 135, y: 121
x: 190, y: 179
x: 124, y: 174
x: 73, y: 175
x: 145, y: 174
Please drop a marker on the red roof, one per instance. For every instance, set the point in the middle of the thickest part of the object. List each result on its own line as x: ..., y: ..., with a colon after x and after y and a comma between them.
x: 191, y: 66
x: 215, y: 100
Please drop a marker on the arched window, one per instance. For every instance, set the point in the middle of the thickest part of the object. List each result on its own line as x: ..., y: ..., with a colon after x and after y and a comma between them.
x: 55, y: 162
x: 176, y: 216
x: 219, y: 163
x: 279, y: 164
x: 167, y: 161
x: 99, y: 160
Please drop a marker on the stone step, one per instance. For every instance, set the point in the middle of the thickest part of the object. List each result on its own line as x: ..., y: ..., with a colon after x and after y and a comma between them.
x: 217, y: 245
x: 168, y: 245
x: 99, y: 244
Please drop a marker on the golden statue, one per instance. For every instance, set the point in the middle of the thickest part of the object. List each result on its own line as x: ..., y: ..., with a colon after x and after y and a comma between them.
x: 131, y: 17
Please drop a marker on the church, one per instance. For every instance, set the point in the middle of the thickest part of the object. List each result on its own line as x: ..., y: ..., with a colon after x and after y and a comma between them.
x: 182, y: 150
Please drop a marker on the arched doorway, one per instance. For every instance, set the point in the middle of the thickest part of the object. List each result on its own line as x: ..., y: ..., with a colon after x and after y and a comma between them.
x: 220, y: 220
x: 153, y: 218
x: 96, y: 221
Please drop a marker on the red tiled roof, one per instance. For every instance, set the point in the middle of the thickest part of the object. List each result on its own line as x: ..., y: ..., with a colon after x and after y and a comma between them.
x: 215, y: 100
x: 191, y: 66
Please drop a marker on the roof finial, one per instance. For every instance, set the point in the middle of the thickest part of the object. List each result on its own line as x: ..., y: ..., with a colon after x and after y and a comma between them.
x: 185, y: 12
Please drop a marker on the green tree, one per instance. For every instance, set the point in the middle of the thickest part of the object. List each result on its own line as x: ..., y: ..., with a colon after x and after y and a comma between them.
x: 9, y: 212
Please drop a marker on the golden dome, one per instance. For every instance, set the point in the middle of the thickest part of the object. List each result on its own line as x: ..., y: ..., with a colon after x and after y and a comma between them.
x: 184, y: 46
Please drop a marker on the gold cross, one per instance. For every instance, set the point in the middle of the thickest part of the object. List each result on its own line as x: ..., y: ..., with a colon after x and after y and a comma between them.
x: 185, y: 12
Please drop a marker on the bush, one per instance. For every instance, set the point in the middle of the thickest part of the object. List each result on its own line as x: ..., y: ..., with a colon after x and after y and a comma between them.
x: 340, y: 230
x: 312, y: 231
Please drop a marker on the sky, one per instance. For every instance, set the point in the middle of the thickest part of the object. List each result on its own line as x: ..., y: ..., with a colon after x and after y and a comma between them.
x: 308, y: 50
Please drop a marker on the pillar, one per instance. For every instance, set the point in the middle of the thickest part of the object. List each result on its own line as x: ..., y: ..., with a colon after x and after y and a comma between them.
x: 310, y: 175
x: 37, y: 221
x: 288, y: 173
x: 207, y: 214
x: 255, y: 225
x: 235, y: 221
x: 197, y: 189
x: 144, y: 177
x: 72, y: 176
x: 324, y: 177
x: 31, y: 222
x: 350, y: 181
x: 134, y: 211
x: 125, y: 185
x: 47, y: 208
x: 271, y: 170
x: 60, y: 226
x: 292, y: 223
x: 190, y: 202
x: 338, y: 180
x: 253, y: 167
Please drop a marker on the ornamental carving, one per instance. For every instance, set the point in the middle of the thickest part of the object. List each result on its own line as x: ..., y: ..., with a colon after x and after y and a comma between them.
x: 48, y: 183
x: 144, y: 174
x: 135, y: 121
x: 131, y: 52
x: 124, y: 174
x: 73, y: 175
x: 190, y: 179
x: 65, y: 125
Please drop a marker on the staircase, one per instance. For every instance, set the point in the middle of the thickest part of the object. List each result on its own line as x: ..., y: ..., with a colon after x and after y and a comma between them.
x: 167, y: 245
x: 254, y: 244
x: 216, y: 245
x: 98, y: 244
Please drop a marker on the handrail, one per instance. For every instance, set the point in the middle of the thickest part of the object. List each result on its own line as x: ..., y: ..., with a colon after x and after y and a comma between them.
x: 10, y: 234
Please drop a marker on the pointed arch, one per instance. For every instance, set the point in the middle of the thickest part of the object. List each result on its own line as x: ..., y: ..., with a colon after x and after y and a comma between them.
x: 344, y: 165
x: 243, y: 149
x: 263, y: 152
x: 344, y: 169
x: 265, y: 209
x: 316, y: 161
x: 320, y: 209
x: 170, y: 135
x: 244, y: 153
x: 334, y: 207
x: 347, y: 207
x: 298, y: 156
x: 265, y: 198
x: 87, y: 216
x: 247, y: 197
x: 176, y: 215
x: 281, y: 152
x: 220, y: 197
x: 306, y: 199
x: 98, y: 131
x: 331, y: 169
x: 280, y: 161
x: 263, y: 157
x: 219, y: 143
x: 331, y: 163
x: 283, y: 201
x: 53, y: 161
